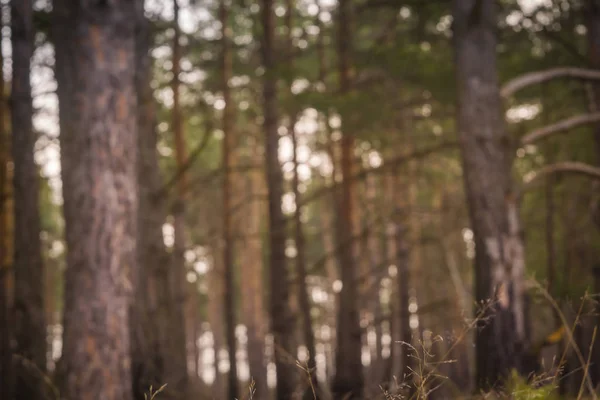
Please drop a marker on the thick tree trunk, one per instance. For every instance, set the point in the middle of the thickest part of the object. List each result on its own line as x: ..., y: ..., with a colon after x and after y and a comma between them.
x: 30, y: 321
x: 95, y: 47
x: 176, y: 364
x: 499, y: 264
x: 282, y: 325
x: 348, y: 379
x: 228, y: 259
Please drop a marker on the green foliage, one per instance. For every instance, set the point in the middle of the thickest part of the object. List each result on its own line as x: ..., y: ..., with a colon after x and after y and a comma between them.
x: 520, y: 389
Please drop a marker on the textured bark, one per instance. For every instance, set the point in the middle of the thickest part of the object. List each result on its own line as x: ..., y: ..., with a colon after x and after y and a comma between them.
x: 348, y: 380
x: 176, y: 363
x: 152, y: 306
x: 30, y: 321
x: 228, y: 143
x: 282, y: 325
x: 500, y: 339
x: 95, y: 47
x: 251, y: 263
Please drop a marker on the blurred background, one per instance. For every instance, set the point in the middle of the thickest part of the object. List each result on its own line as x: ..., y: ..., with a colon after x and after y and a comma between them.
x: 346, y: 199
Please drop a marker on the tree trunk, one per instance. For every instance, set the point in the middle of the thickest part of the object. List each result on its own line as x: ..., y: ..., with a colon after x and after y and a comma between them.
x: 177, y: 362
x: 30, y: 321
x: 348, y: 380
x: 95, y: 47
x: 215, y: 317
x: 593, y: 15
x: 152, y: 306
x: 282, y: 325
x: 311, y: 390
x: 228, y: 144
x: 251, y: 263
x: 6, y: 383
x: 403, y: 279
x: 499, y: 260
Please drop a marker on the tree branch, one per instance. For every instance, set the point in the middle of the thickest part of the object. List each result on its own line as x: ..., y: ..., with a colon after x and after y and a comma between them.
x: 560, y: 127
x: 534, y: 78
x: 572, y: 167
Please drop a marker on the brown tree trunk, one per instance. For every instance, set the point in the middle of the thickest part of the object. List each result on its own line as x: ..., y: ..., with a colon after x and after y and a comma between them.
x: 228, y: 261
x: 30, y: 321
x: 348, y: 380
x: 152, y: 306
x: 311, y: 391
x: 95, y: 47
x: 176, y: 364
x: 251, y: 263
x: 403, y: 279
x: 282, y: 325
x: 6, y: 383
x: 215, y: 315
x: 593, y: 15
x: 499, y: 264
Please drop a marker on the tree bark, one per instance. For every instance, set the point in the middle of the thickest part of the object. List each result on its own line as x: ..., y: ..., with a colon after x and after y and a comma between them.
x: 499, y: 260
x: 402, y: 260
x: 228, y: 143
x: 282, y: 325
x: 6, y: 371
x: 95, y: 47
x: 311, y: 390
x: 30, y: 321
x: 152, y: 306
x: 348, y: 380
x: 251, y: 263
x: 177, y: 362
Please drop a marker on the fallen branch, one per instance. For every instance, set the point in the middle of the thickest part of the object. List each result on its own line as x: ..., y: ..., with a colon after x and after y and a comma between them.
x: 560, y: 127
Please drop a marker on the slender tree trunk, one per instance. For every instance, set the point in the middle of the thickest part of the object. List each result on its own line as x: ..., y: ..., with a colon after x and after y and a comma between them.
x: 177, y: 362
x: 311, y: 391
x: 95, y: 47
x: 251, y: 263
x: 30, y: 322
x: 228, y: 143
x: 402, y: 263
x: 499, y: 260
x: 152, y: 306
x: 6, y: 383
x: 593, y: 15
x: 215, y: 315
x: 348, y: 379
x: 282, y: 325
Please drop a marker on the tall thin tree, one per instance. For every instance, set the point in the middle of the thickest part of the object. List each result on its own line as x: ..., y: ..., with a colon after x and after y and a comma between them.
x: 151, y: 341
x: 282, y: 325
x: 228, y: 143
x: 95, y: 48
x: 30, y: 323
x: 499, y: 265
x: 178, y: 359
x: 6, y: 384
x: 348, y: 380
